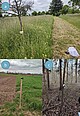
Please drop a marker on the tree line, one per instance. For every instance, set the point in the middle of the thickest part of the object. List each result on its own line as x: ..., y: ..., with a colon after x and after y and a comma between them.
x: 56, y: 8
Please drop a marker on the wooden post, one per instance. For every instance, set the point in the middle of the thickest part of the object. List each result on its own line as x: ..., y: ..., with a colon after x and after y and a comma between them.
x: 60, y: 63
x: 64, y: 70
x: 43, y: 68
x: 72, y: 71
x: 20, y: 93
x: 67, y: 72
x: 76, y: 71
x: 47, y: 71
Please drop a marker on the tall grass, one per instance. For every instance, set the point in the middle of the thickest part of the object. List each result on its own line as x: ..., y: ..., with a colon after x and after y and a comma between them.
x: 73, y: 19
x: 36, y: 41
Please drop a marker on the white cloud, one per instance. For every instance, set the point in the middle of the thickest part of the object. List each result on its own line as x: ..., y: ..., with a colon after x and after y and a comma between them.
x: 42, y: 5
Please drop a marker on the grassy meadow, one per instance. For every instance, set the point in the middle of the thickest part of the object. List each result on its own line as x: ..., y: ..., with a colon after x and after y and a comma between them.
x: 31, y: 97
x: 73, y: 19
x: 36, y: 41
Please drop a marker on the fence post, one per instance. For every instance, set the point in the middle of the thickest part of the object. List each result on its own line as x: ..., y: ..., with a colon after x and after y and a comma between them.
x: 20, y: 93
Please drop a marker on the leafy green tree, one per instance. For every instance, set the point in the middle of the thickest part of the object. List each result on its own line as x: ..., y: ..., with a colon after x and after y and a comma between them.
x: 39, y: 13
x: 65, y: 9
x: 55, y: 7
x: 43, y: 12
x: 75, y: 3
x: 34, y: 13
x: 47, y: 13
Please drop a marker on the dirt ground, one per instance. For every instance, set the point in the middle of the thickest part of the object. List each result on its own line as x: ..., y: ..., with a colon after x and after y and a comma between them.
x: 52, y: 99
x: 64, y: 35
x: 7, y: 88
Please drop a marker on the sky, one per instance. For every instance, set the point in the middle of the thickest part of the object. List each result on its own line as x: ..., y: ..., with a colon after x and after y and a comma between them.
x: 43, y: 5
x: 33, y: 66
x: 40, y: 5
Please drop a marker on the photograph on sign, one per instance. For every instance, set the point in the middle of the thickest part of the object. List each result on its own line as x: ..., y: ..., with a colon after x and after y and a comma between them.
x: 61, y: 88
x: 21, y: 87
x: 36, y: 29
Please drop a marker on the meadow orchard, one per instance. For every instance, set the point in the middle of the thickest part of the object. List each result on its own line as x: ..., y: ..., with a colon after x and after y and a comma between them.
x: 34, y: 41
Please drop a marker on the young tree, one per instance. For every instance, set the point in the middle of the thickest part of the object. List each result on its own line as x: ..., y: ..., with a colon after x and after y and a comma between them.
x: 21, y: 7
x: 55, y: 7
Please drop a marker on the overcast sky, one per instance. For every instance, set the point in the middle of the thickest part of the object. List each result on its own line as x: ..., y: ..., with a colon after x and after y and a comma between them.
x: 33, y: 66
x: 41, y: 5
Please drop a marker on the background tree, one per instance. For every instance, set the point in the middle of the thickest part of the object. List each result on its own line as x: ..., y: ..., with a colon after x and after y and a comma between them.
x: 55, y: 7
x: 43, y: 13
x: 39, y: 13
x: 47, y: 13
x: 75, y: 3
x: 65, y: 9
x: 34, y: 13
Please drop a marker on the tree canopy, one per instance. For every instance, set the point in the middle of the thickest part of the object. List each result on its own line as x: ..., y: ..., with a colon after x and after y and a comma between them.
x: 55, y: 6
x: 75, y: 2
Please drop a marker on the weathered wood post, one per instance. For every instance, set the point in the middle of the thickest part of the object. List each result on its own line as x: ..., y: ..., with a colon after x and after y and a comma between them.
x: 67, y: 72
x: 43, y: 67
x: 65, y: 60
x: 60, y: 66
x: 47, y: 73
x: 20, y: 93
x: 76, y: 71
x: 71, y: 70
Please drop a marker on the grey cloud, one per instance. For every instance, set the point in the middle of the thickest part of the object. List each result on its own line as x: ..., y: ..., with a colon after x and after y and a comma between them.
x: 43, y: 5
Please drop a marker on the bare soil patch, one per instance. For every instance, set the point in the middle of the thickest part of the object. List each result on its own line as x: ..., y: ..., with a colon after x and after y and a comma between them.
x: 7, y: 88
x: 52, y: 101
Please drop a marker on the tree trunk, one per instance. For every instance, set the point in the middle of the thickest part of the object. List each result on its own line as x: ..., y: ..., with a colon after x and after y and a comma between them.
x: 19, y: 16
x: 21, y: 26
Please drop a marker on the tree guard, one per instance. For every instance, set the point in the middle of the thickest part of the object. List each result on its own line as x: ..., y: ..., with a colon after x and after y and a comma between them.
x: 73, y: 52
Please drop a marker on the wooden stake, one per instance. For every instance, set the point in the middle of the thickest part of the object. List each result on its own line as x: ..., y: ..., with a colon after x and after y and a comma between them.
x: 67, y: 72
x: 64, y: 70
x: 60, y: 62
x: 43, y: 67
x: 76, y: 71
x: 20, y: 93
x: 47, y: 71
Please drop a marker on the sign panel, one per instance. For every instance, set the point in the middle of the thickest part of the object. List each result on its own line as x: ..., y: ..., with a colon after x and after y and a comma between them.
x: 5, y: 65
x: 5, y: 6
